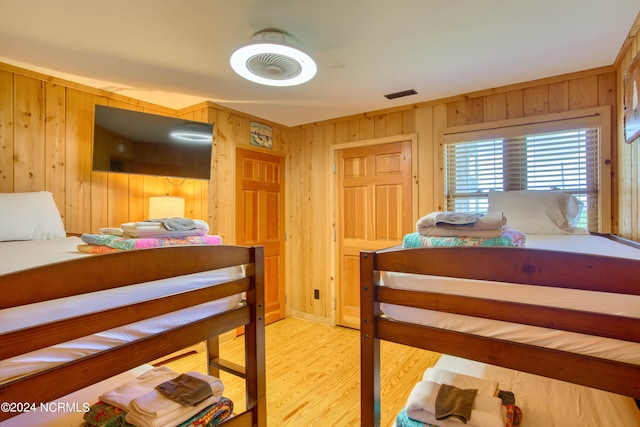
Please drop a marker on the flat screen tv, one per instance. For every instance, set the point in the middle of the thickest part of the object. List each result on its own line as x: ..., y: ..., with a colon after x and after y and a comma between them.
x: 141, y: 143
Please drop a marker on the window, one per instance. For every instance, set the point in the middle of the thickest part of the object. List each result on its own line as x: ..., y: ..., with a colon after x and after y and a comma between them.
x: 560, y: 155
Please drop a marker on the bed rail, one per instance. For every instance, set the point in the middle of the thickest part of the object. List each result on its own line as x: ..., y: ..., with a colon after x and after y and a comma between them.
x: 102, y: 272
x: 511, y: 265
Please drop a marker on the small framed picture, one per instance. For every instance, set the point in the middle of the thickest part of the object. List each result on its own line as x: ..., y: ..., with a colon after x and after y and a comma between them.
x: 261, y: 135
x: 631, y: 107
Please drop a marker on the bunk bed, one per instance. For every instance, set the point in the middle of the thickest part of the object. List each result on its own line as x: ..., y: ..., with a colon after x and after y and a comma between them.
x: 548, y: 308
x: 78, y: 320
x: 410, y: 315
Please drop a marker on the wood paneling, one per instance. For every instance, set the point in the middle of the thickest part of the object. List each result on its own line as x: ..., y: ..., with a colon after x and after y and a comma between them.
x: 46, y: 132
x: 626, y: 212
x: 562, y: 93
x: 6, y: 131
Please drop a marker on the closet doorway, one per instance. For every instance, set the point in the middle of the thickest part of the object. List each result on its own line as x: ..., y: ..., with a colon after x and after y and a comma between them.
x: 260, y: 220
x: 373, y: 211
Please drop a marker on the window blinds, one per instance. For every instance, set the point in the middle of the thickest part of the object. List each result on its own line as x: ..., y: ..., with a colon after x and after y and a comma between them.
x: 527, y: 158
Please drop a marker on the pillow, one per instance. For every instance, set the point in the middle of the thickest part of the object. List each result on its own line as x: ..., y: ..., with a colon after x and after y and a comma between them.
x: 538, y: 212
x: 29, y: 216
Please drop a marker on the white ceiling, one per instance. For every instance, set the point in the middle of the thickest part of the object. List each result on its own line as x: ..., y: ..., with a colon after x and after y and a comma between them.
x: 176, y: 52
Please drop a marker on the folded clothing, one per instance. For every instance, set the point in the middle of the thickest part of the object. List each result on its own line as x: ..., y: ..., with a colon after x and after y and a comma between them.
x: 513, y: 417
x: 486, y: 411
x: 187, y: 390
x: 102, y: 414
x: 169, y: 419
x: 460, y: 224
x: 126, y: 244
x: 96, y: 249
x: 121, y: 396
x: 442, y: 376
x: 454, y: 402
x: 212, y: 415
x: 176, y: 224
x: 167, y: 227
x: 156, y: 403
x: 403, y: 420
x: 509, y: 237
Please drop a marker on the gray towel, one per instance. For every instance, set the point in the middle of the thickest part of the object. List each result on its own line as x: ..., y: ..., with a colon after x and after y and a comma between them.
x: 185, y: 390
x: 454, y: 402
x: 176, y: 224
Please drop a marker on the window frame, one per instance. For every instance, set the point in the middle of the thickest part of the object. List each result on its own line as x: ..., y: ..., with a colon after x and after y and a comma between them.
x: 597, y: 117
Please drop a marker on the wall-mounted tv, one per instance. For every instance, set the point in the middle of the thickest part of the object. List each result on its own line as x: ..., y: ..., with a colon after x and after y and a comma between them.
x: 141, y: 143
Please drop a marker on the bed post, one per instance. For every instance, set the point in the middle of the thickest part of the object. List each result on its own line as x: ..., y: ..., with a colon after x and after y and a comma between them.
x: 369, y: 344
x: 255, y: 343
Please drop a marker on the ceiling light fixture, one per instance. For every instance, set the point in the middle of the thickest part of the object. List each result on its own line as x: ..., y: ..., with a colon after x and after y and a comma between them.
x: 272, y: 58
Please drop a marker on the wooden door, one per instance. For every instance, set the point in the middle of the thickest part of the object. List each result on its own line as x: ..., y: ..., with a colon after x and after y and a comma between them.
x: 373, y: 211
x: 260, y: 220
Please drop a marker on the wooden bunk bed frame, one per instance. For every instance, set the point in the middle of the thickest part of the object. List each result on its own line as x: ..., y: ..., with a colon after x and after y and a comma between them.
x: 101, y: 272
x: 512, y: 265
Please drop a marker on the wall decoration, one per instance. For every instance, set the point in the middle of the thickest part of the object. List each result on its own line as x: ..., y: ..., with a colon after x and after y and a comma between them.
x: 261, y: 135
x: 631, y: 107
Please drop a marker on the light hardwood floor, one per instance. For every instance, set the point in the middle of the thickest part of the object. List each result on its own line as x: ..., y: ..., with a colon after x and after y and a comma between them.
x: 313, y: 374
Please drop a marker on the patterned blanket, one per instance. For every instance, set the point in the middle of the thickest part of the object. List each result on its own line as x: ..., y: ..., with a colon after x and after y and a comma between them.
x: 126, y: 243
x: 509, y: 237
x: 105, y: 415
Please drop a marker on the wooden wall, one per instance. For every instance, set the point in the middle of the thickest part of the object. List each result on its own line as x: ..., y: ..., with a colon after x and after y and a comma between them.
x: 311, y: 229
x: 628, y: 155
x: 46, y: 127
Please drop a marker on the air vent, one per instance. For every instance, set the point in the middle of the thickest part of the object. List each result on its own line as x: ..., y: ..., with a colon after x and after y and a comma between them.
x: 401, y: 94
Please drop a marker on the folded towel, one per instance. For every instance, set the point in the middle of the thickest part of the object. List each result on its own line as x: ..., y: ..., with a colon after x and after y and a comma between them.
x: 461, y: 224
x: 442, y: 376
x: 172, y: 418
x: 437, y: 231
x: 186, y: 390
x: 157, y: 228
x: 454, y: 218
x: 454, y: 402
x: 507, y: 397
x: 154, y: 404
x: 176, y: 224
x: 122, y: 395
x: 487, y: 411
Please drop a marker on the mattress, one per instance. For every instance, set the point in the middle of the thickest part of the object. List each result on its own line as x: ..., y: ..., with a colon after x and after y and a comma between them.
x: 20, y: 255
x: 39, y: 313
x: 544, y: 400
x: 598, y: 302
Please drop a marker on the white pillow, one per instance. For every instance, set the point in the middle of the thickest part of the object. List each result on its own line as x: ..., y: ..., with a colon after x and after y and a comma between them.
x: 29, y: 216
x: 538, y: 212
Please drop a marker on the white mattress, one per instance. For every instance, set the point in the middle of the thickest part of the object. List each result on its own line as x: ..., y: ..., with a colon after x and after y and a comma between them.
x: 21, y: 255
x: 544, y: 402
x: 575, y: 299
x: 39, y: 313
